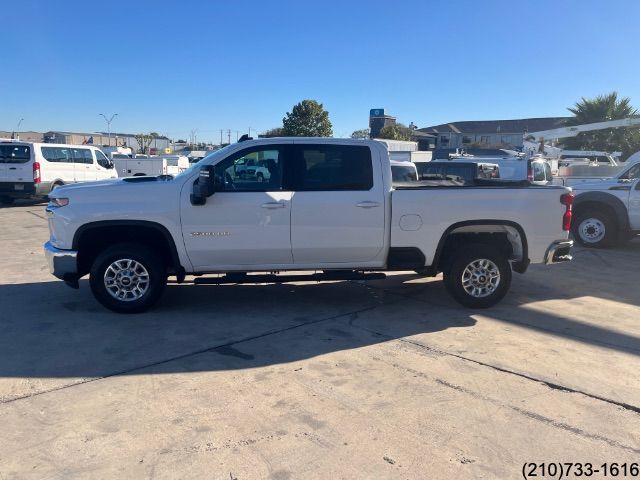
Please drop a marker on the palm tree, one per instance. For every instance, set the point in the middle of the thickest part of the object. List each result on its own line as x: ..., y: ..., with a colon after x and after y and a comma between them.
x: 600, y: 109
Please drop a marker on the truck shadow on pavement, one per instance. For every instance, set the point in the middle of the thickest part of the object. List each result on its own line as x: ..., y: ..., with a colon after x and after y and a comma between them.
x: 50, y: 331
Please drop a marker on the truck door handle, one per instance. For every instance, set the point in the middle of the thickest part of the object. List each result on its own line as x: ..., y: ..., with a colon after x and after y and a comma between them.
x: 367, y: 204
x: 272, y: 205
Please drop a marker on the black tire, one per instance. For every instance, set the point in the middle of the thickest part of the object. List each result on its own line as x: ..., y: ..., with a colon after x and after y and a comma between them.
x: 7, y: 200
x: 487, y: 296
x: 595, y: 229
x: 148, y: 259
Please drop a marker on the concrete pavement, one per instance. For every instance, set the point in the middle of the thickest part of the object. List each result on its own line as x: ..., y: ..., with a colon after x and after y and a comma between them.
x: 388, y: 379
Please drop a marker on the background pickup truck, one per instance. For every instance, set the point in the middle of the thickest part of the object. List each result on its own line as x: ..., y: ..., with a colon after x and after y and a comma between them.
x: 329, y: 206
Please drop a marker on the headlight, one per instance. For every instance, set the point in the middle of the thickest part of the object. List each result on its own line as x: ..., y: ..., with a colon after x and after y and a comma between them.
x: 59, y: 202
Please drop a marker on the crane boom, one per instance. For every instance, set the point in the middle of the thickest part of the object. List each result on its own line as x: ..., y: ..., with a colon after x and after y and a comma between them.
x: 565, y: 132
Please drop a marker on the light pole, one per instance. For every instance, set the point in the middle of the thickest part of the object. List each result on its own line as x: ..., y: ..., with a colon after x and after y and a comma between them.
x: 108, y: 120
x: 17, y: 132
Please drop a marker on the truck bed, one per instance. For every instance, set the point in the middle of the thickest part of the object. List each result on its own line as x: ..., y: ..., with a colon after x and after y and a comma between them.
x: 422, y: 213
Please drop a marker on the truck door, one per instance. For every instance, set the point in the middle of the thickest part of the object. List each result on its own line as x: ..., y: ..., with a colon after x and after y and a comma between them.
x: 248, y: 223
x: 634, y: 206
x: 338, y: 211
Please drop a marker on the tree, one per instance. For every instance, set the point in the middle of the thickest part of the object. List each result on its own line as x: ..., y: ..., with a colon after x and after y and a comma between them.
x: 307, y: 119
x: 273, y: 132
x: 397, y: 131
x: 144, y: 140
x: 364, y: 133
x: 601, y: 109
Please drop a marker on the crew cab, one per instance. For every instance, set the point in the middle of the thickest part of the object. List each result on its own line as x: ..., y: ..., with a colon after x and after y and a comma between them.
x: 329, y: 207
x: 607, y: 211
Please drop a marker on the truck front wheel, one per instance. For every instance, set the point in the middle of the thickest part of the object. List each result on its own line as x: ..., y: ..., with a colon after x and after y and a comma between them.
x: 478, y: 276
x: 128, y: 278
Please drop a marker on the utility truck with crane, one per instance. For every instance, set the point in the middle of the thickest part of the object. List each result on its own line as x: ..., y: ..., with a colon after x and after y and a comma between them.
x: 607, y: 203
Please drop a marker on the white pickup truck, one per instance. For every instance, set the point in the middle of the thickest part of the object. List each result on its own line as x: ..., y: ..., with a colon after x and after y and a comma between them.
x: 329, y: 206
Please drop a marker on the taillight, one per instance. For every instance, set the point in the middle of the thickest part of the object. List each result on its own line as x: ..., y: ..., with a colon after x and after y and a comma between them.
x: 36, y: 172
x: 567, y: 200
x: 530, y: 173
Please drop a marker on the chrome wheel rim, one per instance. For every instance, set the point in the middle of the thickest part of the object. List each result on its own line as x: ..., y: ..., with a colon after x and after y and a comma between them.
x: 480, y: 278
x: 126, y: 280
x: 592, y: 230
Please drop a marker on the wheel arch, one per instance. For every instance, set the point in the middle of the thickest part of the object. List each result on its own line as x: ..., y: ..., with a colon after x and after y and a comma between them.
x: 602, y: 200
x: 482, y: 231
x: 92, y: 237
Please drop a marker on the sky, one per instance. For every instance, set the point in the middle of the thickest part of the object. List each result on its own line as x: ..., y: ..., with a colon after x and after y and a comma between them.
x: 178, y: 67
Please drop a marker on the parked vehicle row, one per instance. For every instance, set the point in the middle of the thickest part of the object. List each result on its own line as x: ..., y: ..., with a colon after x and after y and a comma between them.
x: 329, y: 205
x: 33, y: 170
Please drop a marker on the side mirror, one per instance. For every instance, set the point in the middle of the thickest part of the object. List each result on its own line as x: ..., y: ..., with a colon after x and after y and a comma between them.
x: 204, y: 186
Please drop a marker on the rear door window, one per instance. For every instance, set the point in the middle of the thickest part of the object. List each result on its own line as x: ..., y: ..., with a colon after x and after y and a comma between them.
x: 57, y: 154
x: 332, y: 168
x: 15, y: 153
x: 82, y: 155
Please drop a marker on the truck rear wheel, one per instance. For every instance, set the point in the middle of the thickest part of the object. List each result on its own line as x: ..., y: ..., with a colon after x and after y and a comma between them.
x: 595, y: 229
x: 479, y: 276
x: 128, y: 278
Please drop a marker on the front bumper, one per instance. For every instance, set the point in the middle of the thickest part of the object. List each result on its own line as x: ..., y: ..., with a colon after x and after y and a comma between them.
x: 559, y: 251
x: 62, y: 264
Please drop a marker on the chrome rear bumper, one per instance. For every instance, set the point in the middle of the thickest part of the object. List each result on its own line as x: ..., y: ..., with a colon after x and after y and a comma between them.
x: 559, y: 251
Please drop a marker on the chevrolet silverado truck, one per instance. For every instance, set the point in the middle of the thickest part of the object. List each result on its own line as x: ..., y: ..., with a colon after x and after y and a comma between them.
x: 329, y: 210
x: 607, y: 211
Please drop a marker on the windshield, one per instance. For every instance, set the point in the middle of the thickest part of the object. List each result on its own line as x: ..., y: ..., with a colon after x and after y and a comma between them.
x: 197, y: 165
x: 632, y: 173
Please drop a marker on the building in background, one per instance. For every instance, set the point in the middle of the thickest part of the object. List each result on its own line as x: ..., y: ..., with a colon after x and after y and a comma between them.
x: 378, y: 120
x: 158, y: 144
x: 24, y: 136
x: 489, y: 134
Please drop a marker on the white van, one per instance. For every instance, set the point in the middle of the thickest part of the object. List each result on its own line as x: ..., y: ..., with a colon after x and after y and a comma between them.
x: 32, y: 170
